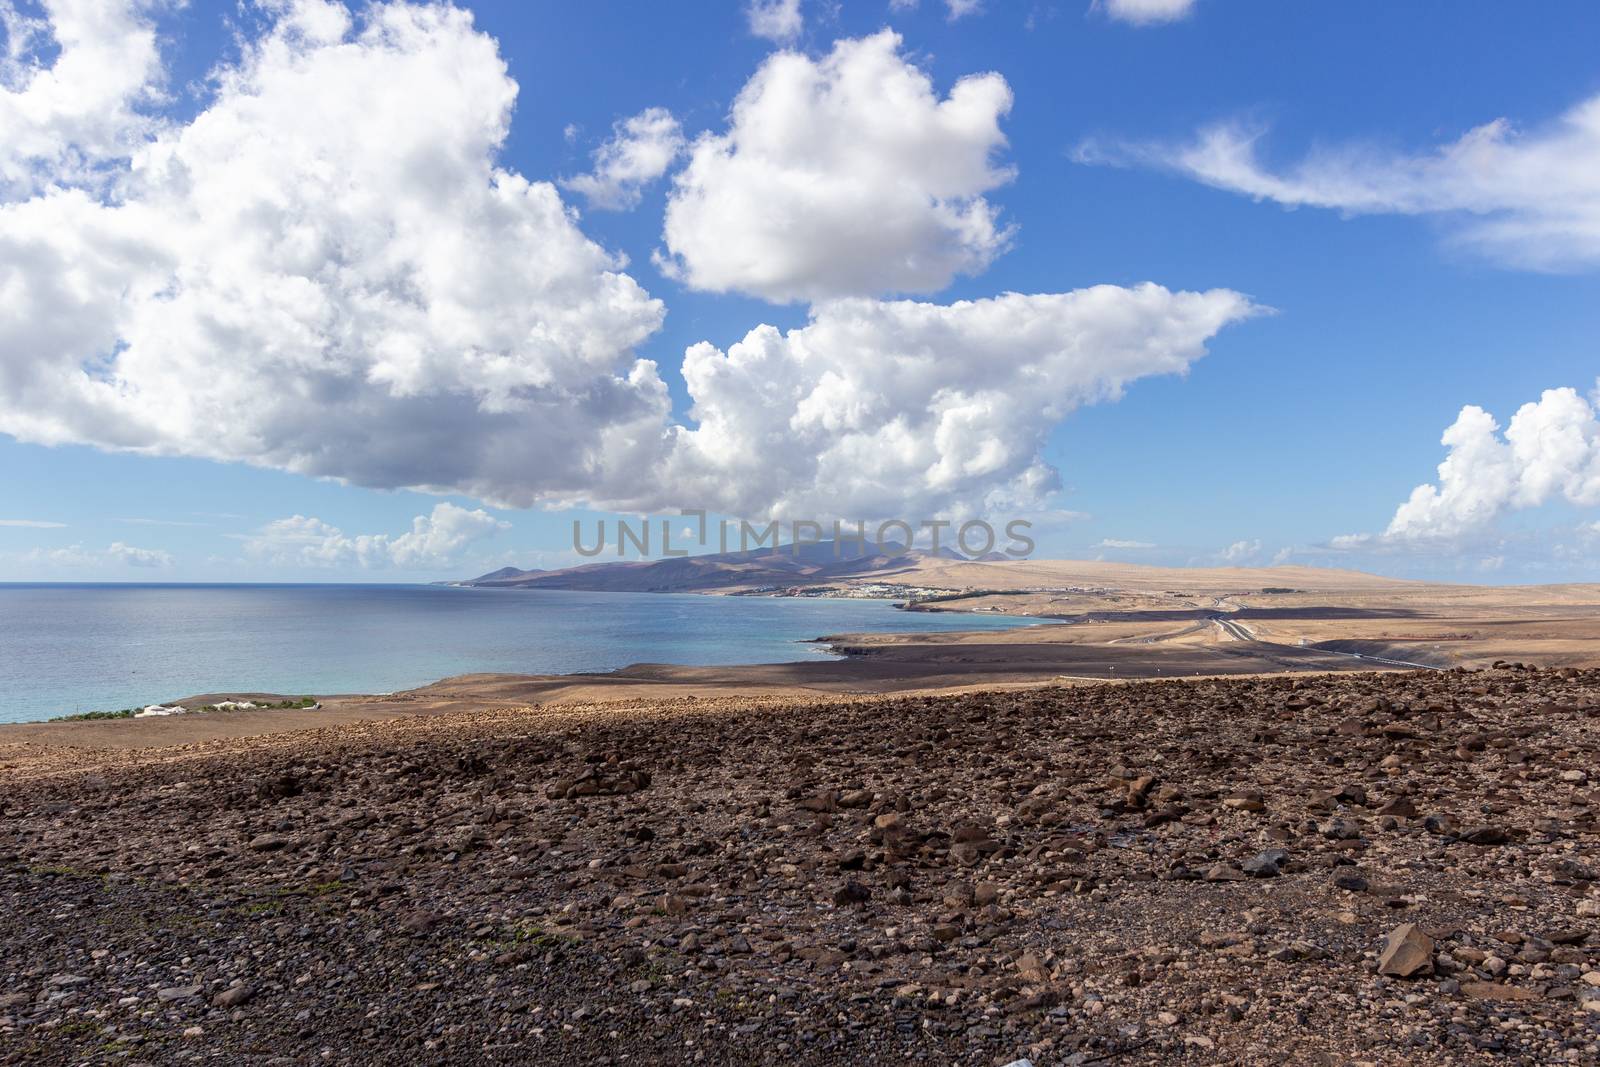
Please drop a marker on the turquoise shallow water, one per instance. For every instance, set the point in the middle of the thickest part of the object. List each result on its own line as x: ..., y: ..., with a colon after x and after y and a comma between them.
x: 66, y: 648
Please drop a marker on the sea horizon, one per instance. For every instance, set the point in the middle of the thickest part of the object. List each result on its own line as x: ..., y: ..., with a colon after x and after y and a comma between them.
x: 117, y: 645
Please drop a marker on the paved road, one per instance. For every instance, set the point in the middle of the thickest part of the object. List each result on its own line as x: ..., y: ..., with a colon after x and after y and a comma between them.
x: 1240, y: 632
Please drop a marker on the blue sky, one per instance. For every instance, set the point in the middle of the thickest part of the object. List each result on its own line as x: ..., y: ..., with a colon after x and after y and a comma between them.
x: 1314, y: 421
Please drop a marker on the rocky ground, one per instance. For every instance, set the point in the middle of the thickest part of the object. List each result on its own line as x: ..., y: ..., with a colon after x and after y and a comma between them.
x: 1316, y: 870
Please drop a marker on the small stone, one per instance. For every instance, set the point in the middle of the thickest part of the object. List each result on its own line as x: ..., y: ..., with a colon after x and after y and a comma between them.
x: 852, y: 892
x: 1224, y: 872
x: 1031, y: 970
x: 1408, y: 952
x: 1349, y: 879
x: 1485, y: 835
x: 1352, y: 794
x: 1268, y: 864
x: 828, y: 800
x: 268, y: 843
x: 418, y: 923
x: 233, y: 997
x: 177, y: 992
x: 1340, y: 829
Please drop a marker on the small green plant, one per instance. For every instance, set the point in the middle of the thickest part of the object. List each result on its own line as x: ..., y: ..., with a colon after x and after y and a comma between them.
x: 529, y: 933
x: 261, y: 907
x: 297, y: 704
x: 90, y: 716
x: 58, y: 871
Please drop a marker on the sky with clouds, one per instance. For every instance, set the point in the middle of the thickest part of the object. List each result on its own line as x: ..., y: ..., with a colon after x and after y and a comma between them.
x: 295, y: 290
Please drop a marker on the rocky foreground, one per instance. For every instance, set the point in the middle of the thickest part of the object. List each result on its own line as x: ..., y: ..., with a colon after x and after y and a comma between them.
x: 1320, y: 870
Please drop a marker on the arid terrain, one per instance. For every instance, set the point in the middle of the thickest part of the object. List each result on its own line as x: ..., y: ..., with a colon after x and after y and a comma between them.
x: 1194, y: 817
x: 1120, y: 620
x: 1324, y: 869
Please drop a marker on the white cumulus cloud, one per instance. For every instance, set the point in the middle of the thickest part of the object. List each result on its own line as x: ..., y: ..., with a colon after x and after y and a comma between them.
x: 139, y: 557
x: 1117, y: 542
x: 1529, y: 198
x: 77, y: 557
x: 65, y: 118
x: 366, y: 296
x: 1241, y: 551
x: 776, y: 20
x: 640, y: 150
x: 1146, y: 12
x: 842, y: 176
x: 1550, y: 450
x: 434, y: 540
x: 880, y: 407
x: 372, y: 297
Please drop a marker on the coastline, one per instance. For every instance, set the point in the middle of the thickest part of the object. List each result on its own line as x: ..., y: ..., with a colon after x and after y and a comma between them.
x: 1067, y: 623
x: 159, y: 644
x: 867, y: 665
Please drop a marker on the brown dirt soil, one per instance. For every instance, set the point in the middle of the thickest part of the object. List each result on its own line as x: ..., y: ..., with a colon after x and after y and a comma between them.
x: 1195, y: 872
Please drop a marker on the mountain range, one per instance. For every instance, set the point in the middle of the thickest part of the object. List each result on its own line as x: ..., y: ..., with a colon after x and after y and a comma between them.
x: 785, y: 565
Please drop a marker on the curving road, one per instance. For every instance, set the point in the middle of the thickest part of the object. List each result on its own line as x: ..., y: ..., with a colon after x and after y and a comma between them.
x: 1239, y: 632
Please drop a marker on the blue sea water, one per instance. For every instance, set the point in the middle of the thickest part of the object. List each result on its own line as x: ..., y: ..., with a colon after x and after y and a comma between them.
x: 67, y: 648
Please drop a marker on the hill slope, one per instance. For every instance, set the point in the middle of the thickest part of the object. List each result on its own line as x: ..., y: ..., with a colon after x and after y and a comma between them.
x: 789, y: 565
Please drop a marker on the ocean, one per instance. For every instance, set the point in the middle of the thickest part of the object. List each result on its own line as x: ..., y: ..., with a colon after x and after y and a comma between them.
x: 69, y: 648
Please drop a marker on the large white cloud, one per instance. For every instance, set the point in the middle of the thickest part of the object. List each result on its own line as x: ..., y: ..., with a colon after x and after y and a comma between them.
x: 1528, y: 198
x: 434, y: 541
x: 877, y: 408
x: 1550, y: 450
x: 365, y: 295
x: 369, y: 297
x: 842, y: 176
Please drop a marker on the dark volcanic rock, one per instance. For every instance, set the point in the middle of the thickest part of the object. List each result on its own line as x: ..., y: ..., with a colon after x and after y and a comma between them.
x: 1390, y: 868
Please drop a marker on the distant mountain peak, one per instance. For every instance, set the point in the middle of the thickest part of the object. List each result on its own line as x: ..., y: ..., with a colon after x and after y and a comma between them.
x: 806, y: 563
x: 503, y: 574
